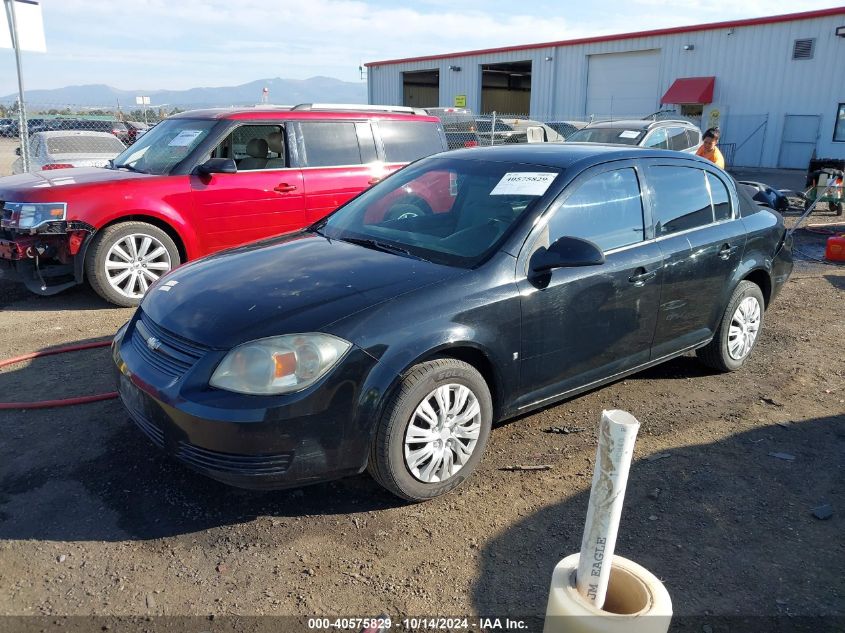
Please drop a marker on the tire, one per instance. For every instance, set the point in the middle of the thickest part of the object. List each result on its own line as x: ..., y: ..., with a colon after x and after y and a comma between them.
x: 103, y: 251
x: 729, y: 350
x: 389, y: 459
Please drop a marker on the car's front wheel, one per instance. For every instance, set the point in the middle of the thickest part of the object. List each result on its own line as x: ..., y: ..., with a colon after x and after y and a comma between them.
x: 433, y: 431
x: 125, y: 259
x: 738, y: 330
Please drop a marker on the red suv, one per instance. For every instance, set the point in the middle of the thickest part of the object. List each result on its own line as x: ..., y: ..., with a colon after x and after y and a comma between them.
x: 197, y: 183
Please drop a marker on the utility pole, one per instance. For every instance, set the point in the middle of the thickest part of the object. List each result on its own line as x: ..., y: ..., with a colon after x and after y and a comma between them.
x: 23, y: 130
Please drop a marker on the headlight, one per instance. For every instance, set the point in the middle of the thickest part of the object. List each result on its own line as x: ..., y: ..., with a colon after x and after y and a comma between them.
x: 31, y: 215
x: 280, y: 364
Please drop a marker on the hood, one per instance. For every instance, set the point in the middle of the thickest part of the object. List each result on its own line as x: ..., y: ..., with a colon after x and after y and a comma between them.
x: 44, y: 183
x: 300, y: 282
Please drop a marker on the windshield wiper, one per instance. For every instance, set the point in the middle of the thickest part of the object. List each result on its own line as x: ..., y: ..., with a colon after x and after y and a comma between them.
x: 380, y: 246
x: 130, y: 168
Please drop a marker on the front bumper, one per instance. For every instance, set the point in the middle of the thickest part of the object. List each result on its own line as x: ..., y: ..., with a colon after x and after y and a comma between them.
x: 47, y: 263
x: 258, y: 442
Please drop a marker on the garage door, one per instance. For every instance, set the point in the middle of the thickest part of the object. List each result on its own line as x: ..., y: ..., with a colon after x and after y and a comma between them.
x: 623, y: 84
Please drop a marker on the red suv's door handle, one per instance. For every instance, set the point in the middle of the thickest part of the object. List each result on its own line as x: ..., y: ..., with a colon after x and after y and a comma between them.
x: 284, y: 188
x: 373, y: 181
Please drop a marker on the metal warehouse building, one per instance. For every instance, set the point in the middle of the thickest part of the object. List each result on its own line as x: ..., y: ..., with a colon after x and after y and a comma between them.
x: 775, y: 85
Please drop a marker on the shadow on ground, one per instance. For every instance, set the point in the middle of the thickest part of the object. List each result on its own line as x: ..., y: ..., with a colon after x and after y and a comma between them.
x: 691, y: 519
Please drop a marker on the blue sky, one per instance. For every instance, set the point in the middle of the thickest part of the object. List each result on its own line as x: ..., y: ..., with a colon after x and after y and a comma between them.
x: 176, y: 44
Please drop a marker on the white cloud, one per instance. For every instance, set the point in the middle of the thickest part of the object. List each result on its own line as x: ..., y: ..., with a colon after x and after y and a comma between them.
x: 184, y: 43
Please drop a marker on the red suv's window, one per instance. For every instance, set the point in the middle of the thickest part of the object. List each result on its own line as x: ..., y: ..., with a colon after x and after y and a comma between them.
x: 254, y: 147
x: 329, y: 143
x: 406, y: 141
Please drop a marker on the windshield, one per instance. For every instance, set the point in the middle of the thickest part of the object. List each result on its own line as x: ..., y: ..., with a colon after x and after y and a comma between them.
x: 165, y: 145
x: 617, y: 135
x: 445, y: 210
x: 84, y: 145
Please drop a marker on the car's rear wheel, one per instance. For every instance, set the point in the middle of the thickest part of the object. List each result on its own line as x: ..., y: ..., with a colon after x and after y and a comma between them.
x: 433, y: 431
x: 738, y: 330
x: 125, y: 259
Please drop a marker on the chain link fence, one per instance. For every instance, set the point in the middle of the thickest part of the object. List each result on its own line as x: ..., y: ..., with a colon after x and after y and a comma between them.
x: 463, y: 128
x: 61, y: 135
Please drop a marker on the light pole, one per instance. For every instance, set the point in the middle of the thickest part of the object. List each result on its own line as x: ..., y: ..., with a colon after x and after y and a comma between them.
x: 23, y: 130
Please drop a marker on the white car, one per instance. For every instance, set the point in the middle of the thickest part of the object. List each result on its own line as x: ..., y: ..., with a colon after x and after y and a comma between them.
x: 678, y: 135
x: 71, y: 148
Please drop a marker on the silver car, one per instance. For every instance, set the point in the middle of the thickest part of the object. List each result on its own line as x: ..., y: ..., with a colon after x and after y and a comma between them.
x: 70, y: 148
x: 678, y: 135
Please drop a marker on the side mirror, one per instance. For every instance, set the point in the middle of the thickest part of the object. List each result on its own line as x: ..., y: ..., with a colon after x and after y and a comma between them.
x: 17, y: 151
x: 566, y: 252
x: 218, y: 166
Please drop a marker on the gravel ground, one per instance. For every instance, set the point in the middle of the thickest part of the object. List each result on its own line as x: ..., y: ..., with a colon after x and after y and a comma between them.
x: 95, y: 521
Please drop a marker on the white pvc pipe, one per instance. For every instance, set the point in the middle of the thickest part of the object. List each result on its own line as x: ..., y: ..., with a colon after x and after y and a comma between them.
x: 617, y: 434
x: 637, y: 602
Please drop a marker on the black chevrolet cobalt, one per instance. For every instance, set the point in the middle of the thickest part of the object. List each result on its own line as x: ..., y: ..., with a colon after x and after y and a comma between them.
x: 469, y: 287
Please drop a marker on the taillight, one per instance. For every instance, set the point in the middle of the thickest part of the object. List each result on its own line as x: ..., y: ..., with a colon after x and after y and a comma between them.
x: 470, y: 143
x: 116, y: 131
x: 57, y: 166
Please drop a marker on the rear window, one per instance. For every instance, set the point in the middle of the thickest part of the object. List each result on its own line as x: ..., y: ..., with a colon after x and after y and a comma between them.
x: 618, y: 136
x: 84, y: 145
x: 407, y: 141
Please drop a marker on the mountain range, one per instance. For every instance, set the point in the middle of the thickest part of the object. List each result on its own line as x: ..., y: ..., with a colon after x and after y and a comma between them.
x: 281, y: 91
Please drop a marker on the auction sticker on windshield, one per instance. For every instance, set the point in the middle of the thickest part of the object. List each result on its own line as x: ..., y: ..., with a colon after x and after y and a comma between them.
x: 524, y: 183
x: 629, y: 134
x: 184, y: 138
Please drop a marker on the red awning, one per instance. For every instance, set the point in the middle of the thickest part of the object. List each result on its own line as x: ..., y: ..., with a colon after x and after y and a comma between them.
x: 690, y: 90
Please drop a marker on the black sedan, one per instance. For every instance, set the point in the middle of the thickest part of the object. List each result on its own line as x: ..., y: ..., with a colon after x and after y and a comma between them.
x: 469, y: 287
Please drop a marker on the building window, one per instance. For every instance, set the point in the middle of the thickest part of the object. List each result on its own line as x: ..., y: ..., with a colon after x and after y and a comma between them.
x: 803, y: 49
x: 839, y: 125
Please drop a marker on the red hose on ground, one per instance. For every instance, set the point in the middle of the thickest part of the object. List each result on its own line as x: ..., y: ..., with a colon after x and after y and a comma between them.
x: 46, y: 404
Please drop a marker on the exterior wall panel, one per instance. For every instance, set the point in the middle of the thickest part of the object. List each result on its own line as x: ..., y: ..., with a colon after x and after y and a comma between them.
x: 756, y: 78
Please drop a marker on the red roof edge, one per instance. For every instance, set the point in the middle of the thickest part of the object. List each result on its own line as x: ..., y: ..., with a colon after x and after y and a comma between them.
x: 690, y: 90
x: 773, y: 19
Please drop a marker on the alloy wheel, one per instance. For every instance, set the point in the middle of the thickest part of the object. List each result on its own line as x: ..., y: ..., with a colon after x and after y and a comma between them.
x: 134, y: 263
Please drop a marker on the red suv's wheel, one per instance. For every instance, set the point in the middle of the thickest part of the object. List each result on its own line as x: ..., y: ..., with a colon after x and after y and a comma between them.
x: 125, y: 259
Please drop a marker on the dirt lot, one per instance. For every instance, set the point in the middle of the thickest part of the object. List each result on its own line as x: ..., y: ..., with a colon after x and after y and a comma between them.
x: 95, y: 521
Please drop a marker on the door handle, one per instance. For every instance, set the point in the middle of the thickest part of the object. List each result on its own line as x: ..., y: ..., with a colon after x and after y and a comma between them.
x: 374, y: 180
x: 284, y: 188
x: 726, y: 251
x: 642, y: 276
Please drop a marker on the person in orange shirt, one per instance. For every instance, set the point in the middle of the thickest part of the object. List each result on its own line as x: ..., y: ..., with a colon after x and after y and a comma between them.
x: 708, y: 147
